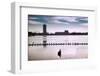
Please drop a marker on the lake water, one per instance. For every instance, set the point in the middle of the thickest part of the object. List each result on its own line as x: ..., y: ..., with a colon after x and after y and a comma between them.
x: 50, y: 52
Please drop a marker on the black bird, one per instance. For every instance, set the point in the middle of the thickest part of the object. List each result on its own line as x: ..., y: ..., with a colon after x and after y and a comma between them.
x: 59, y: 53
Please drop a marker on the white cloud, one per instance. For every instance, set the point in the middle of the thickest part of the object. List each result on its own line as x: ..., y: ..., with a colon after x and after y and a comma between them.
x: 70, y: 19
x: 31, y: 22
x: 32, y: 18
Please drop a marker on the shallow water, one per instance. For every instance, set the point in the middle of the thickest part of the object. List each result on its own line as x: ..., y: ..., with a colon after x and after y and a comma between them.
x: 51, y: 51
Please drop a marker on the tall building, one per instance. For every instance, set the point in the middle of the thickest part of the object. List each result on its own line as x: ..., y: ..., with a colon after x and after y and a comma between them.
x: 44, y: 29
x: 44, y: 37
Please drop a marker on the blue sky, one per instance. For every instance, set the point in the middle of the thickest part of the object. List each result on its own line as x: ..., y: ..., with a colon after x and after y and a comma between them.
x: 61, y: 23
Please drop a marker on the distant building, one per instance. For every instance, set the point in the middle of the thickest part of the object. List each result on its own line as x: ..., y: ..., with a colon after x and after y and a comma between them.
x: 44, y: 35
x: 66, y: 31
x: 44, y: 29
x: 62, y: 33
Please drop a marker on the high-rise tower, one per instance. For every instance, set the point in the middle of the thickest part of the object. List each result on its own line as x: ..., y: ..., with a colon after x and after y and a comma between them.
x: 44, y: 29
x: 44, y: 35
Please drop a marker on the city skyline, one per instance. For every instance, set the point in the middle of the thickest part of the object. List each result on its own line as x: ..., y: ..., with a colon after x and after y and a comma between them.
x: 45, y: 32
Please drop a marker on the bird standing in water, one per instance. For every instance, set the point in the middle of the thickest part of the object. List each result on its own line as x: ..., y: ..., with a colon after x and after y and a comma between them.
x: 59, y: 53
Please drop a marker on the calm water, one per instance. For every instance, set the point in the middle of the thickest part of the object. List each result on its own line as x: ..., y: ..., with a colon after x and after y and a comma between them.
x: 51, y: 52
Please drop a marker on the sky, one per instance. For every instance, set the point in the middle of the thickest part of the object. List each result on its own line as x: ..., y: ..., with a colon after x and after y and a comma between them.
x: 57, y: 23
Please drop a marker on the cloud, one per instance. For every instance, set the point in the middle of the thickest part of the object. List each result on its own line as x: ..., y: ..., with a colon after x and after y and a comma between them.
x: 69, y: 20
x: 32, y: 18
x: 82, y: 20
x: 73, y: 20
x: 31, y: 22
